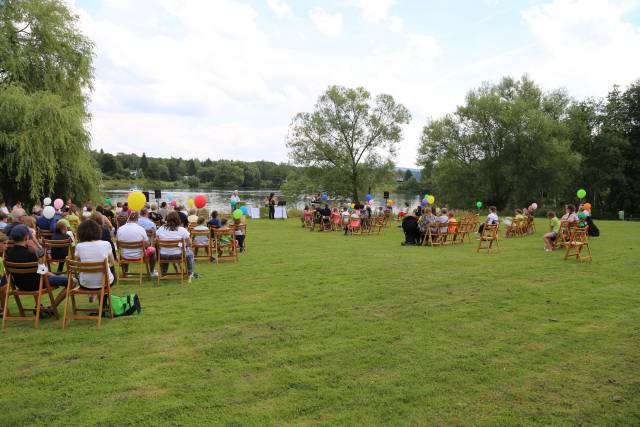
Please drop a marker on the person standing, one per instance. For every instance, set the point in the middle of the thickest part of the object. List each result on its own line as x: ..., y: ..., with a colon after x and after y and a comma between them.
x: 272, y: 205
x: 234, y: 200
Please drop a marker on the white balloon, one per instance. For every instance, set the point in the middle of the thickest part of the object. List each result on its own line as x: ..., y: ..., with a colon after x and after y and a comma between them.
x: 47, y: 201
x: 48, y: 212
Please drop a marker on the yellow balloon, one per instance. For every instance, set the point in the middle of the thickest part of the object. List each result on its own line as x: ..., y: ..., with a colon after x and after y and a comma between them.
x: 190, y: 202
x: 431, y: 199
x: 136, y: 201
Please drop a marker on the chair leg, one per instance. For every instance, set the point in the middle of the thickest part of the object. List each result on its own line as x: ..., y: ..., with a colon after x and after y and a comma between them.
x: 66, y: 308
x: 5, y: 307
x: 54, y: 307
x: 100, y: 305
x: 38, y: 299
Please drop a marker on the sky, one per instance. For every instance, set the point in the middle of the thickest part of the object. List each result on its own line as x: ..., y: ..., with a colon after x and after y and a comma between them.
x: 224, y: 78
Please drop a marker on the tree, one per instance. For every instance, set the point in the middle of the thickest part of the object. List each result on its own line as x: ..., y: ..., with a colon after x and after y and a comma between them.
x: 191, y: 167
x: 144, y: 164
x: 408, y: 175
x: 507, y: 145
x: 45, y: 77
x: 347, y: 136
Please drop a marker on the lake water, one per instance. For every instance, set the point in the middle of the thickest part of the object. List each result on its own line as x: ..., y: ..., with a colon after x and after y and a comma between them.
x: 219, y: 199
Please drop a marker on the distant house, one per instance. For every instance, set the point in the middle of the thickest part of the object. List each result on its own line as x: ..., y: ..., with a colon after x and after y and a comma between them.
x: 399, y: 179
x: 133, y: 173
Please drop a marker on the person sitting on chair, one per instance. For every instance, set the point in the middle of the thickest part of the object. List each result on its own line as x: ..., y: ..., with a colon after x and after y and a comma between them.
x: 91, y: 248
x: 570, y: 214
x: 132, y: 232
x: 492, y: 219
x: 20, y: 253
x: 554, y: 228
x: 173, y: 230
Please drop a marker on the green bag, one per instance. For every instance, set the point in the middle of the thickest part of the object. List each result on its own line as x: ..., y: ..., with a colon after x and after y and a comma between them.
x: 123, y: 306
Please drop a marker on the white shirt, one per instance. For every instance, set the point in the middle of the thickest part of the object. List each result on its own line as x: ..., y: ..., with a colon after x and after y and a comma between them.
x: 95, y: 251
x: 235, y: 199
x: 164, y: 233
x: 130, y: 233
x: 492, y: 218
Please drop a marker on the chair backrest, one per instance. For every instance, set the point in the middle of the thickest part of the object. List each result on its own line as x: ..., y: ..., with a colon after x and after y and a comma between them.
x: 197, y: 233
x: 75, y: 266
x: 21, y: 267
x: 48, y: 244
x: 44, y: 234
x: 130, y: 245
x: 221, y: 232
x: 171, y: 244
x: 490, y: 230
x: 241, y: 227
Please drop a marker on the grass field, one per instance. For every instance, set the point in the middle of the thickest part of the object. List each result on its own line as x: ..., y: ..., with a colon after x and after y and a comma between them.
x: 318, y: 328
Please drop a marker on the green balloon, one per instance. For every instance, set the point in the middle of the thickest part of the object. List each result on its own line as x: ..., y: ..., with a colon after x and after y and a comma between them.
x: 237, y: 214
x: 582, y: 193
x: 107, y: 201
x: 478, y: 204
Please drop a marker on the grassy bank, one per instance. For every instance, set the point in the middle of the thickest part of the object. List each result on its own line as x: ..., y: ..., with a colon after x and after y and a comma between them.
x: 313, y: 328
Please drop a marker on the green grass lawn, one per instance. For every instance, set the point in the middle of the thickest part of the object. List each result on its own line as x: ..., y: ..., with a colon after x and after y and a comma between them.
x: 319, y: 328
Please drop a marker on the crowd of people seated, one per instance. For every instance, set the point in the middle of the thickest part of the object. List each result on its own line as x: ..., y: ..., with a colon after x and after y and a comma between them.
x: 432, y: 226
x: 559, y: 229
x: 355, y: 219
x: 93, y: 234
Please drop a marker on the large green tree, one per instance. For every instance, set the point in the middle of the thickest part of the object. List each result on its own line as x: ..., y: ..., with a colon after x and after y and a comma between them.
x: 349, y: 139
x: 45, y: 77
x: 507, y: 145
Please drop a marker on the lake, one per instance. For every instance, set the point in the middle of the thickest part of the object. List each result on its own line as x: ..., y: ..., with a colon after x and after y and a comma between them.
x: 219, y: 199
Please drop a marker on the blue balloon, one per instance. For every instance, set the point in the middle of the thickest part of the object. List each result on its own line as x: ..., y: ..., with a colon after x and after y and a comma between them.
x: 368, y: 197
x: 325, y: 197
x: 245, y: 210
x: 169, y: 196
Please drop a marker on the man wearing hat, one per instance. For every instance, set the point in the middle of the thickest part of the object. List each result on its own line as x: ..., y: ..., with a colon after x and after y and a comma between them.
x: 21, y: 253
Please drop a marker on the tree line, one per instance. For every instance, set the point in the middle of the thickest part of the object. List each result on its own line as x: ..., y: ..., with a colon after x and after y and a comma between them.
x: 193, y: 173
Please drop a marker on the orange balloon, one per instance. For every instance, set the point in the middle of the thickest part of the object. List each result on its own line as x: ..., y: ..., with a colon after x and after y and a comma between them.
x: 587, y: 206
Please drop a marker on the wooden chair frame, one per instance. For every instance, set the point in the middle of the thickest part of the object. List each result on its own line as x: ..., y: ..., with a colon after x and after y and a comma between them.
x: 74, y: 268
x: 439, y: 238
x: 180, y: 264
x: 578, y: 241
x: 56, y: 244
x: 227, y: 250
x: 126, y: 275
x: 196, y: 246
x: 44, y: 288
x: 488, y: 237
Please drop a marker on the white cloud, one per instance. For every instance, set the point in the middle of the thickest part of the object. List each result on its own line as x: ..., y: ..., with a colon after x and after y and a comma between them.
x: 280, y: 7
x: 375, y: 10
x: 328, y: 24
x: 585, y: 45
x: 396, y: 24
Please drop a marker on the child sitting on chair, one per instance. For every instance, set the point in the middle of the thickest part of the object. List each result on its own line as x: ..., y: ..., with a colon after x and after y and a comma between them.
x: 201, y: 240
x: 239, y: 234
x: 554, y: 229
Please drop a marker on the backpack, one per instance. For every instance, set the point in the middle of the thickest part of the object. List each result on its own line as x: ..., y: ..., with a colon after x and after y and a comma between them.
x: 123, y: 306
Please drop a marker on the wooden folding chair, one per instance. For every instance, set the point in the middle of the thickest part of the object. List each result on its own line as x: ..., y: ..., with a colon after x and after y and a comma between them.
x: 578, y: 241
x: 378, y: 225
x: 439, y: 235
x: 564, y: 234
x: 354, y: 227
x: 243, y: 228
x: 44, y: 234
x: 464, y: 228
x: 427, y: 237
x: 125, y: 272
x: 531, y: 225
x: 11, y: 290
x: 179, y: 261
x: 197, y: 235
x: 74, y: 270
x: 226, y: 244
x: 487, y: 239
x: 56, y: 244
x: 325, y: 223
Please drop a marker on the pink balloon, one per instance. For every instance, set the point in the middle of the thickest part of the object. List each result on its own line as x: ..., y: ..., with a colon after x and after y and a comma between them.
x: 534, y: 206
x: 173, y: 203
x: 58, y: 203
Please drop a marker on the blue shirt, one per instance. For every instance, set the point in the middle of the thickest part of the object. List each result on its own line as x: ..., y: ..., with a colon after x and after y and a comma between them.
x: 43, y: 223
x: 146, y: 223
